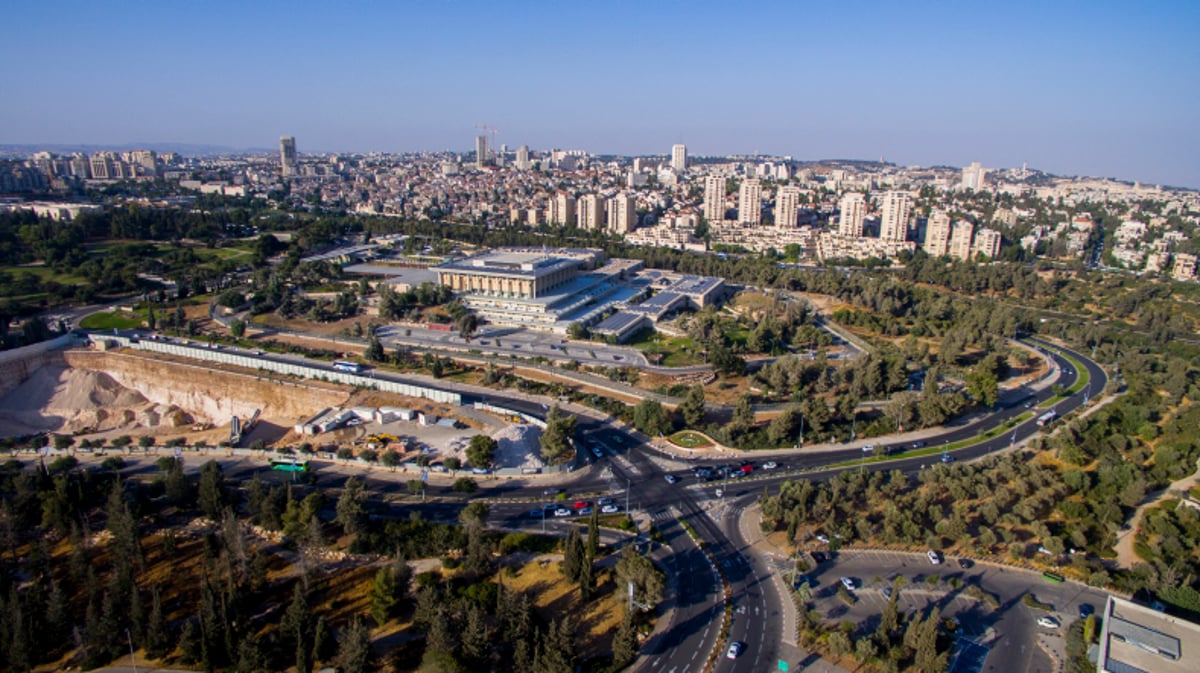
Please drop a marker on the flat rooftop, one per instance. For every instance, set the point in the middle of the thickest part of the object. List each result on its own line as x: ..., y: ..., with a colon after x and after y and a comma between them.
x: 1137, y: 639
x: 509, y: 264
x: 616, y: 322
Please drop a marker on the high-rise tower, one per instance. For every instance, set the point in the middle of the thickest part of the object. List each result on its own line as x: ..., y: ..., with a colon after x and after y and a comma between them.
x: 287, y: 155
x: 679, y: 158
x: 787, y: 206
x: 714, y: 198
x: 750, y: 201
x: 895, y: 211
x: 853, y: 206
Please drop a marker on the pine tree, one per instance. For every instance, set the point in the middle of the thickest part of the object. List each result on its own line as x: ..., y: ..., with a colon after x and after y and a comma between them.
x: 573, y: 556
x: 354, y: 650
x: 476, y: 639
x: 293, y: 627
x: 558, y: 648
x: 593, y: 538
x: 322, y: 641
x: 587, y: 580
x: 157, y: 646
x: 382, y: 596
x: 624, y: 644
x: 212, y: 490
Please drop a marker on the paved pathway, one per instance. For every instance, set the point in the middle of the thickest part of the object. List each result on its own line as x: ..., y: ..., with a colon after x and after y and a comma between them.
x: 1126, y: 557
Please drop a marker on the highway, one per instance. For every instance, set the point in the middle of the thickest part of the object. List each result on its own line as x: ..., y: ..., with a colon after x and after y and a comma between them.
x: 631, y: 470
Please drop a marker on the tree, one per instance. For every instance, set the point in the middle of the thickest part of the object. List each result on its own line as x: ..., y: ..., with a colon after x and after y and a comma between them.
x: 624, y: 645
x: 63, y: 442
x: 650, y: 417
x: 453, y: 463
x: 465, y: 485
x: 558, y: 648
x: 354, y: 649
x: 212, y: 490
x: 593, y: 539
x: 555, y: 439
x: 390, y: 458
x: 237, y: 328
x: 648, y: 581
x: 692, y: 407
x: 482, y: 451
x: 145, y: 441
x: 350, y: 511
x: 983, y: 386
x: 374, y: 351
x: 573, y: 556
x: 383, y: 596
x: 576, y: 330
x: 415, y: 486
x: 743, y: 413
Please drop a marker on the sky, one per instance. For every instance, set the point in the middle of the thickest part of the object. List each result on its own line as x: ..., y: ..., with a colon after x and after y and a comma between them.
x: 1094, y: 88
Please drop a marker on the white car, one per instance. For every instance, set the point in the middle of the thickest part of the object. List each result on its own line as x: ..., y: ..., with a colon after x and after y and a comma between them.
x: 562, y: 511
x: 735, y: 649
x: 770, y: 465
x: 610, y: 509
x: 1048, y: 622
x: 597, y: 452
x: 934, y: 558
x: 848, y: 583
x: 822, y: 538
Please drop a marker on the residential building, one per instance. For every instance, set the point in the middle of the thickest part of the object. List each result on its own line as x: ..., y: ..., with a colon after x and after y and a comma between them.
x: 562, y: 209
x: 1185, y: 267
x: 937, y: 233
x: 679, y: 158
x: 750, y: 202
x: 100, y: 167
x: 895, y: 212
x: 1137, y: 638
x: 960, y: 239
x: 787, y: 207
x: 973, y: 177
x: 590, y: 212
x: 523, y: 163
x: 714, y: 198
x: 987, y: 241
x: 622, y: 214
x: 287, y: 156
x: 853, y: 208
x: 481, y: 151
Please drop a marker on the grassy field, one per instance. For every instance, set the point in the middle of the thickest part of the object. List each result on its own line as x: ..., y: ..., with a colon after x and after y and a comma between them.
x: 690, y: 440
x: 43, y: 273
x: 111, y: 320
x: 674, y: 351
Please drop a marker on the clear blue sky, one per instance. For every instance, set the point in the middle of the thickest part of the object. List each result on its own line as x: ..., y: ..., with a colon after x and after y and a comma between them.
x: 1092, y: 87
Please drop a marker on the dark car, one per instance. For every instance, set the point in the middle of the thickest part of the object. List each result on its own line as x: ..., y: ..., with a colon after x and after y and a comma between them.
x: 1086, y: 610
x: 819, y: 557
x: 965, y: 563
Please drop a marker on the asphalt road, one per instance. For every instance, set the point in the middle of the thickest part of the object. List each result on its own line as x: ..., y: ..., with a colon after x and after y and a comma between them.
x: 697, y: 605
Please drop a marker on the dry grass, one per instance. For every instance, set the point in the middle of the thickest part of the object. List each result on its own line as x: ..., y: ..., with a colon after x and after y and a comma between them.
x: 554, y: 596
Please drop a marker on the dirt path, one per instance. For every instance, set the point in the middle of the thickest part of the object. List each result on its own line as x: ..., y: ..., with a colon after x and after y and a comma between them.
x: 1125, y: 555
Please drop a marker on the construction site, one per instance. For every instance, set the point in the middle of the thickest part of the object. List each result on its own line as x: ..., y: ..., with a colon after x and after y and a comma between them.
x: 100, y: 395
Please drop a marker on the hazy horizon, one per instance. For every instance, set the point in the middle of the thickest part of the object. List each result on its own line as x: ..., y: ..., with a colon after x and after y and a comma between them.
x: 1101, y: 89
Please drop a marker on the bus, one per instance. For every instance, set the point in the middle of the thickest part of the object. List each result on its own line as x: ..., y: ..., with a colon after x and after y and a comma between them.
x: 347, y: 366
x: 1047, y: 418
x: 289, y: 465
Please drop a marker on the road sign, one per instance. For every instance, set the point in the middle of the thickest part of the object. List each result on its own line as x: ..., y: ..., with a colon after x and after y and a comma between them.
x: 425, y: 476
x: 783, y: 665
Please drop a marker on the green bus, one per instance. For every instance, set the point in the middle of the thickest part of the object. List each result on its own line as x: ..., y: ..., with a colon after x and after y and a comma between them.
x: 289, y: 465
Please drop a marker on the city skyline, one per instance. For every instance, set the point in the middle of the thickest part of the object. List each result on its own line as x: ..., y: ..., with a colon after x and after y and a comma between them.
x: 1043, y: 86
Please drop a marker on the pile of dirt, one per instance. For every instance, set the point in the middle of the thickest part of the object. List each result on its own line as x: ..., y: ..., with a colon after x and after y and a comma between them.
x: 66, y: 399
x: 518, y: 446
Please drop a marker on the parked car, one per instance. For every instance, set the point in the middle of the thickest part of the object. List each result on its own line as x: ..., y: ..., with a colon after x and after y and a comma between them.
x: 1048, y: 622
x: 597, y: 452
x: 671, y: 479
x: 1086, y: 610
x: 735, y: 650
x: 562, y: 511
x: 848, y: 583
x: 770, y: 465
x: 537, y: 513
x: 887, y: 593
x: 610, y: 509
x: 580, y: 504
x: 934, y: 557
x: 585, y: 511
x: 823, y: 538
x: 918, y: 445
x: 549, y: 507
x: 605, y: 501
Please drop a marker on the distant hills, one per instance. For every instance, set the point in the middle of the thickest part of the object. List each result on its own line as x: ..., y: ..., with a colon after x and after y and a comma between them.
x: 191, y: 150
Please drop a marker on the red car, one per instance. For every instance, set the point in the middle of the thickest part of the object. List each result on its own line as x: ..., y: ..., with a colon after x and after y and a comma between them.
x: 580, y: 504
x: 747, y: 468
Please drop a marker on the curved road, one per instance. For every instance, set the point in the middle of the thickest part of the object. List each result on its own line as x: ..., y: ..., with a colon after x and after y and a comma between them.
x: 696, y: 604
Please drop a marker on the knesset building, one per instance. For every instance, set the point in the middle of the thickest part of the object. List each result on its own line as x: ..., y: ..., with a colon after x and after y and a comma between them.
x: 552, y: 288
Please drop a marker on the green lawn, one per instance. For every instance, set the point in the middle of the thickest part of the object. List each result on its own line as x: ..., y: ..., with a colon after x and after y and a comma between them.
x: 690, y: 440
x: 111, y: 320
x: 43, y: 274
x: 675, y: 351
